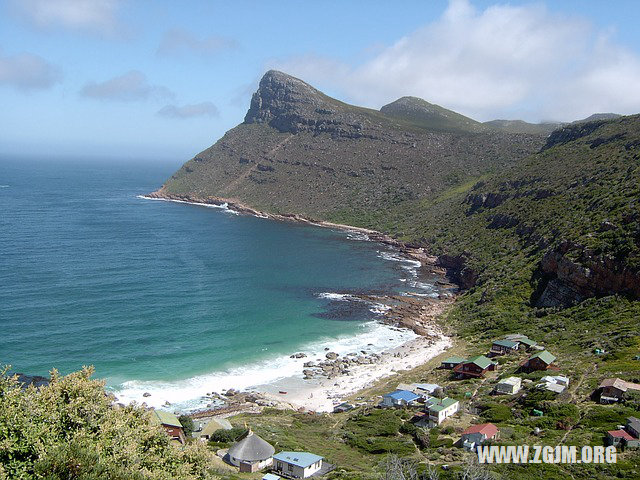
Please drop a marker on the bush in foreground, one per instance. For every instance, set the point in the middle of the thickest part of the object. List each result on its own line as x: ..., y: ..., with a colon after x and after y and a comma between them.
x: 69, y: 429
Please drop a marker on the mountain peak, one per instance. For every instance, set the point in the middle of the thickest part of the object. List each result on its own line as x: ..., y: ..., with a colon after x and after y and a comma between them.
x: 280, y: 95
x: 428, y: 115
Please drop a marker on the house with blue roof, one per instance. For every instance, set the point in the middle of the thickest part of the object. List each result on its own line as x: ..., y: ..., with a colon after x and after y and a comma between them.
x: 399, y: 398
x: 297, y: 464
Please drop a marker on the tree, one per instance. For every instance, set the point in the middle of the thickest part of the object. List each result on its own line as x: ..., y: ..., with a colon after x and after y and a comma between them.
x: 187, y: 425
x: 70, y: 430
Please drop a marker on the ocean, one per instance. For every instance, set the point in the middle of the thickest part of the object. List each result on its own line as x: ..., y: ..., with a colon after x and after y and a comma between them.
x: 174, y: 299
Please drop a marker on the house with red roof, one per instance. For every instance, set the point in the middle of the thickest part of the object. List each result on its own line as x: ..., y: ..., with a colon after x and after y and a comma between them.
x: 619, y: 438
x: 479, y: 434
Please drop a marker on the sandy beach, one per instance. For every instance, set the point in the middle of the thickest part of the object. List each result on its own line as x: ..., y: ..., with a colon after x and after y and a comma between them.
x: 338, y: 376
x: 321, y: 395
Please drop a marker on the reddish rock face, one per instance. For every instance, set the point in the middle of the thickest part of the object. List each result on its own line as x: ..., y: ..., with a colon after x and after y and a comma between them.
x: 574, y: 275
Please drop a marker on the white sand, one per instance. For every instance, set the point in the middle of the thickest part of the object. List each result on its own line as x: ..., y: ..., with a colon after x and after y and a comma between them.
x: 322, y: 394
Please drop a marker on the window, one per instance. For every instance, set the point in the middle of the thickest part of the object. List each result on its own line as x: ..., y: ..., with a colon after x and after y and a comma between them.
x: 290, y: 467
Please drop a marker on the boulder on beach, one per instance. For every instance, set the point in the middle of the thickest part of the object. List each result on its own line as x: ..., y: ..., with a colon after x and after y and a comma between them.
x: 332, y: 355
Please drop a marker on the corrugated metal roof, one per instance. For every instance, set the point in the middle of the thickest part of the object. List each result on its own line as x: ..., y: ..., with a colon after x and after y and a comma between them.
x: 481, y: 361
x: 405, y: 395
x: 167, y: 418
x: 545, y: 356
x: 488, y: 429
x: 453, y: 359
x: 505, y: 343
x: 510, y: 381
x: 299, y: 459
x: 440, y: 404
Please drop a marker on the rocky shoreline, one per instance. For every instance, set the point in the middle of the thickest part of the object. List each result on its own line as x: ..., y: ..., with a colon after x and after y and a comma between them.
x: 430, y: 262
x: 322, y: 376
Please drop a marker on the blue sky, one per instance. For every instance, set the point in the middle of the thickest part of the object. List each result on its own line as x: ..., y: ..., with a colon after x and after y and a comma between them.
x: 154, y: 79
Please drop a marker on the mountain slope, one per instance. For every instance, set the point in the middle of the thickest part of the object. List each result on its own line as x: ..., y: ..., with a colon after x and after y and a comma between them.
x: 300, y: 151
x: 520, y: 126
x: 427, y: 115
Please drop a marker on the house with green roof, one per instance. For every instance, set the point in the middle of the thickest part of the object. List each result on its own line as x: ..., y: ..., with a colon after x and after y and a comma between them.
x: 541, y: 360
x: 440, y: 409
x: 502, y: 347
x: 450, y: 363
x: 524, y: 341
x: 474, y: 367
x: 170, y: 423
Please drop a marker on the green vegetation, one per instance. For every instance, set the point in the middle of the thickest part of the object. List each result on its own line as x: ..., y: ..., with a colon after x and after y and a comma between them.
x: 70, y: 430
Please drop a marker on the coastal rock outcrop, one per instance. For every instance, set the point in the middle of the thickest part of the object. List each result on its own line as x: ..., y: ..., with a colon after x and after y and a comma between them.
x: 571, y: 274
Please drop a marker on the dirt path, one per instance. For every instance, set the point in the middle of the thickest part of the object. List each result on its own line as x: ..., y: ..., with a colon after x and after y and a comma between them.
x: 243, y: 176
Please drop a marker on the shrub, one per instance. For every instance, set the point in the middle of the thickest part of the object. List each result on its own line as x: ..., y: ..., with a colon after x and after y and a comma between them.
x: 227, y: 436
x: 69, y: 429
x: 187, y: 424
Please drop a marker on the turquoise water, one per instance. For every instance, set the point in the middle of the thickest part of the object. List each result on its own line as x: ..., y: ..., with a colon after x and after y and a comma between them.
x: 160, y: 295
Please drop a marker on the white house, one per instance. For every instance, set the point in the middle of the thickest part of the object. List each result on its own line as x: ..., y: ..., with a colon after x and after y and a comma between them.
x: 509, y: 386
x: 296, y: 464
x: 556, y: 384
x: 440, y: 409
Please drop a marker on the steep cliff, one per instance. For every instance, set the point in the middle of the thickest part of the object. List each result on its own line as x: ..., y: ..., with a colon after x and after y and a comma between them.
x: 300, y: 151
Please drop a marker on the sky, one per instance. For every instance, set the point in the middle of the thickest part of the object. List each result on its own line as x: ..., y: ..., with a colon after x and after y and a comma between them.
x: 164, y: 80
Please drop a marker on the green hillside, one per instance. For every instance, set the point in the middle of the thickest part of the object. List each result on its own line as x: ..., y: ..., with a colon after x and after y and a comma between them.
x: 299, y: 151
x: 549, y: 245
x: 542, y: 233
x: 427, y: 115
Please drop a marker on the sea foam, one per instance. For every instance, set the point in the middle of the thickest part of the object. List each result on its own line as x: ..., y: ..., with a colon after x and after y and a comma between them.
x: 189, y: 394
x: 223, y: 206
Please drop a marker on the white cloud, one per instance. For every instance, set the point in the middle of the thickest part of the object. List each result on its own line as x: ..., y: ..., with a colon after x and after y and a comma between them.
x: 88, y: 15
x: 177, y: 41
x: 27, y: 72
x: 204, y: 109
x: 503, y: 61
x: 131, y: 86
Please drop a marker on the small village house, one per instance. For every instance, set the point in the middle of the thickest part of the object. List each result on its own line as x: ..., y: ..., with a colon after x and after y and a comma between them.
x: 628, y: 437
x: 251, y: 453
x: 297, y: 464
x: 479, y: 434
x: 450, y: 363
x: 554, y: 383
x: 502, y: 347
x: 213, y: 425
x: 614, y: 389
x: 633, y: 426
x: 524, y: 341
x: 171, y: 425
x: 440, y: 409
x: 542, y: 360
x: 474, y: 367
x: 425, y: 390
x: 399, y: 398
x: 621, y: 438
x: 508, y: 386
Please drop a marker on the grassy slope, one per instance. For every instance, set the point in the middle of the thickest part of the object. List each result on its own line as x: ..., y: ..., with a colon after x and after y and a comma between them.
x: 585, y: 182
x: 564, y: 193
